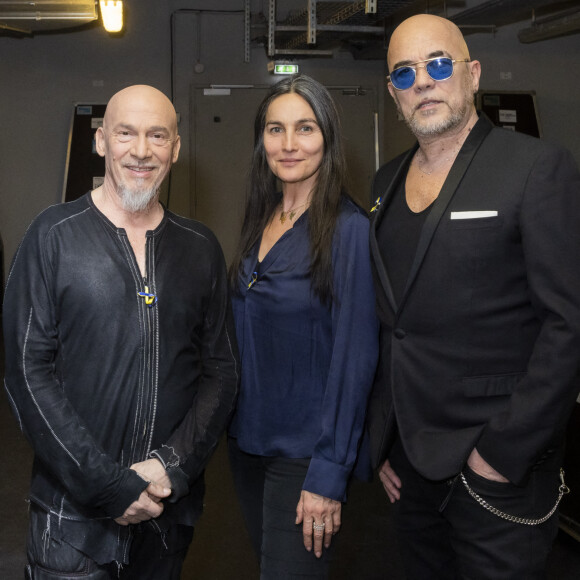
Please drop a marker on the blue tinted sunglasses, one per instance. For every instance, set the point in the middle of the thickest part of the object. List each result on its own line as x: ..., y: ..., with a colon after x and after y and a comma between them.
x: 439, y: 69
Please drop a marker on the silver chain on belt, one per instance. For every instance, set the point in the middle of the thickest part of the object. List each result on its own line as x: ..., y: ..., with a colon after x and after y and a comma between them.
x: 563, y: 490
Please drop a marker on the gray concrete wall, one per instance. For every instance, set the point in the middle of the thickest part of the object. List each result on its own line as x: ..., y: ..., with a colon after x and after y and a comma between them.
x: 41, y: 77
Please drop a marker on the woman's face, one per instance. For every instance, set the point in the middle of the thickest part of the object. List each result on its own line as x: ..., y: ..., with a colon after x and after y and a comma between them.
x: 293, y: 140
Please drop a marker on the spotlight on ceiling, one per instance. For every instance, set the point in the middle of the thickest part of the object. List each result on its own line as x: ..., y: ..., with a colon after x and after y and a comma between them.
x: 112, y: 14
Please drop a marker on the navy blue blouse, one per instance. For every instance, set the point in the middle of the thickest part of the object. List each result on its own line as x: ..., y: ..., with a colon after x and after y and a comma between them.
x: 307, y: 368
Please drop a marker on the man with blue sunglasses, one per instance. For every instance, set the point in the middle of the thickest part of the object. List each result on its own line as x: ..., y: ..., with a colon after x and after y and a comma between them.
x: 475, y: 245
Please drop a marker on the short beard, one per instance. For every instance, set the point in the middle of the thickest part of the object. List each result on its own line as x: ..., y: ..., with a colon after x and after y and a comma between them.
x: 455, y: 119
x: 433, y: 129
x: 136, y: 201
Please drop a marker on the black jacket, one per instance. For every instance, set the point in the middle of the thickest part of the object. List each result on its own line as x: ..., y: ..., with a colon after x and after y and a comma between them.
x: 483, y: 349
x: 99, y: 379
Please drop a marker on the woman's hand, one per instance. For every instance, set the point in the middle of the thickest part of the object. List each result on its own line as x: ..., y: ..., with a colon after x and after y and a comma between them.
x: 320, y: 518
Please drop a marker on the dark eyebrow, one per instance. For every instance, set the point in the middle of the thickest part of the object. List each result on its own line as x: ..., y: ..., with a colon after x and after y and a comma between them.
x: 433, y: 54
x: 298, y: 122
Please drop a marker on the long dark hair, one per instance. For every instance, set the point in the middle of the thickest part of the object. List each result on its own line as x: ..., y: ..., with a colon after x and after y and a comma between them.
x: 325, y: 200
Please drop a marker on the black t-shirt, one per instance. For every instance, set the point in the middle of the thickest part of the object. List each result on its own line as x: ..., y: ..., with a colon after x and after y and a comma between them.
x: 398, y: 235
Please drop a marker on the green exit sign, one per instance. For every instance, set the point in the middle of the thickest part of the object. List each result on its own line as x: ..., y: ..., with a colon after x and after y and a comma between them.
x: 285, y: 69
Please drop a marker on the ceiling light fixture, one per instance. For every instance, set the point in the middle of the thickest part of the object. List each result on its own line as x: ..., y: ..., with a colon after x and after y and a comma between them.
x: 112, y: 14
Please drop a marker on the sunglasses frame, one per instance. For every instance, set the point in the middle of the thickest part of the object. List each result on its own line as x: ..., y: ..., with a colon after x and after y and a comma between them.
x: 414, y: 66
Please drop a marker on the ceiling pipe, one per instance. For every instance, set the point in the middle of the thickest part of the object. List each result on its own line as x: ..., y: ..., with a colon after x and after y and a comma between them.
x: 553, y: 28
x: 492, y: 8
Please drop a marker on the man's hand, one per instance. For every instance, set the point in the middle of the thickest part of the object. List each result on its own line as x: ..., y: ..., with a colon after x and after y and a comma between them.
x: 480, y: 466
x: 152, y: 470
x: 390, y: 481
x: 313, y: 511
x: 146, y: 507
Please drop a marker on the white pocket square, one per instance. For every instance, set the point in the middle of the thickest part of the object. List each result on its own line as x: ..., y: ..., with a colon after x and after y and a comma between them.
x: 470, y: 215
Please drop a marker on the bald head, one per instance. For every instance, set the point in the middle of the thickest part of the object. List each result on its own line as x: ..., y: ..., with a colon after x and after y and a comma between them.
x: 144, y: 99
x: 139, y: 142
x: 433, y: 107
x: 428, y: 34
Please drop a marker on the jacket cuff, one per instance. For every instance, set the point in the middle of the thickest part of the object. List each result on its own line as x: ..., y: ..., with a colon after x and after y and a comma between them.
x: 327, y: 479
x: 167, y: 456
x: 179, y: 479
x: 179, y: 484
x: 130, y: 489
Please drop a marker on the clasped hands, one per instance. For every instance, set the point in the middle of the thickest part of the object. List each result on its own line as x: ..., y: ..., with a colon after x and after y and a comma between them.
x: 312, y: 511
x: 148, y: 505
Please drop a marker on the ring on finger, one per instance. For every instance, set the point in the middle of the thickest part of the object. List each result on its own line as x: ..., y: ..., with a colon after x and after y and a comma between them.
x: 318, y: 527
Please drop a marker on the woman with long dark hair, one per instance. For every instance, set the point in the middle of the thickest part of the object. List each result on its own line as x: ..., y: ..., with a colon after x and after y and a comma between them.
x: 304, y: 309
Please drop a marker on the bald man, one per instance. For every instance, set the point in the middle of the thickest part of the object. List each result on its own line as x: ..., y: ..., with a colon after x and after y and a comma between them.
x: 121, y: 363
x: 475, y: 245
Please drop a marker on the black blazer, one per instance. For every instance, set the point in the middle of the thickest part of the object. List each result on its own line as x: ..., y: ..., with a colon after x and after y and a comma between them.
x: 484, y: 348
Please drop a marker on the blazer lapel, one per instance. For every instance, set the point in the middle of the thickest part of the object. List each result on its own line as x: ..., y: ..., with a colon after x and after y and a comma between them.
x: 460, y: 166
x: 400, y: 173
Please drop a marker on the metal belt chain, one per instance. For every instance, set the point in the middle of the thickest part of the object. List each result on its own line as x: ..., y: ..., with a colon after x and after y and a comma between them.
x: 563, y: 490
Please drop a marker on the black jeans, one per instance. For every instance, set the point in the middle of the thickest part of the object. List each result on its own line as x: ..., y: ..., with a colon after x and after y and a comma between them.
x: 268, y: 489
x: 151, y: 556
x: 445, y: 534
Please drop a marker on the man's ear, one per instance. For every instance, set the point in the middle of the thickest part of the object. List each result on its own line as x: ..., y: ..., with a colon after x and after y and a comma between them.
x: 100, y: 141
x: 475, y: 70
x: 176, y: 148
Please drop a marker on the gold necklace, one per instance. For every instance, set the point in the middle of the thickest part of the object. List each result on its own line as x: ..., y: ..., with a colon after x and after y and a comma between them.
x: 290, y: 213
